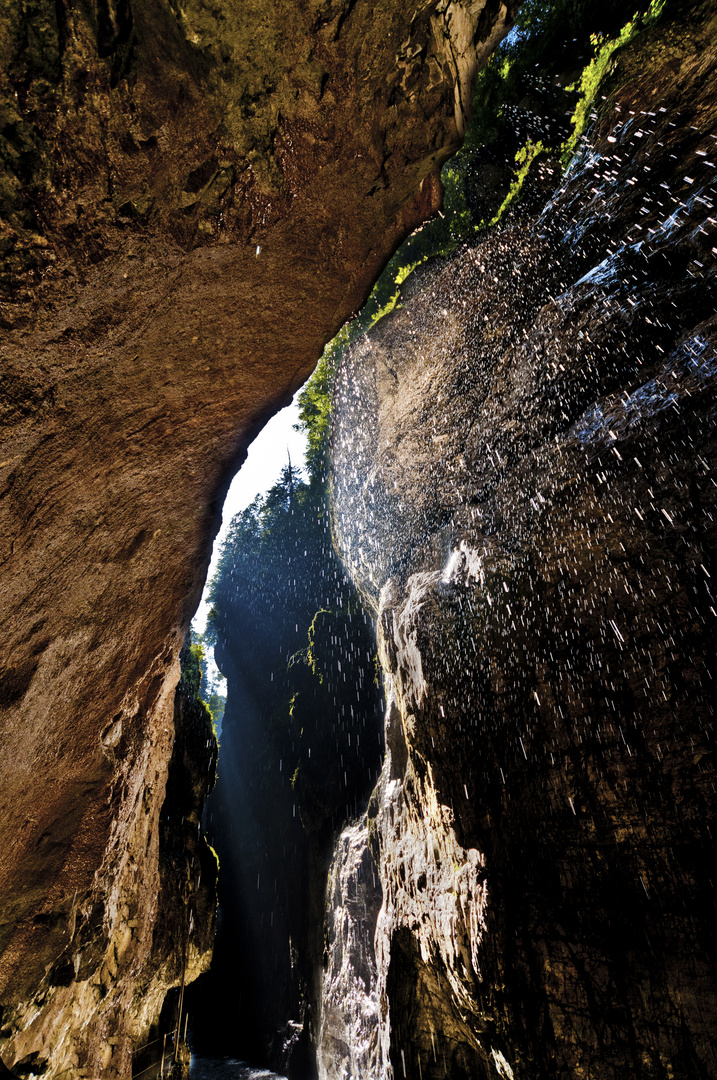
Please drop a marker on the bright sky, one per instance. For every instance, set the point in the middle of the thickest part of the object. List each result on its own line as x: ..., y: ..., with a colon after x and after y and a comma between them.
x: 267, y: 456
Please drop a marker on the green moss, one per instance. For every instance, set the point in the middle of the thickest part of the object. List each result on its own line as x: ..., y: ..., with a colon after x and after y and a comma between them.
x: 524, y: 159
x: 598, y: 68
x: 215, y: 857
x: 192, y: 666
x: 315, y: 406
x: 405, y: 271
x: 548, y: 46
x: 319, y: 632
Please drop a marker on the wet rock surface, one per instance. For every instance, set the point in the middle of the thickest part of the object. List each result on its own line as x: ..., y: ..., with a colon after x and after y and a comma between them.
x: 118, y: 963
x: 348, y: 1046
x: 192, y: 202
x: 524, y: 464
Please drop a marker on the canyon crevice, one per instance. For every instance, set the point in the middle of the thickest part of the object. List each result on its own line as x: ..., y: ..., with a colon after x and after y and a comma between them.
x: 523, y: 456
x: 193, y: 201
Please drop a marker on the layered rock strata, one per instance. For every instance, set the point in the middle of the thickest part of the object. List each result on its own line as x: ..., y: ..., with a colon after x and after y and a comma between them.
x: 524, y: 490
x: 193, y: 199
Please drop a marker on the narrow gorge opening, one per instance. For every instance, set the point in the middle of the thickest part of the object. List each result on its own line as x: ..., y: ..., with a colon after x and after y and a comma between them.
x: 301, y: 745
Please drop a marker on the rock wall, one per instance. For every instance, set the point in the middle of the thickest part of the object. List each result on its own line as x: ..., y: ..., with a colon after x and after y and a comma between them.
x: 118, y: 962
x: 348, y: 1038
x: 193, y: 200
x: 524, y: 490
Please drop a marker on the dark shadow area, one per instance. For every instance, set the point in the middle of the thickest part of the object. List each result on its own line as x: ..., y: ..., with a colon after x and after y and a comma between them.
x: 301, y: 749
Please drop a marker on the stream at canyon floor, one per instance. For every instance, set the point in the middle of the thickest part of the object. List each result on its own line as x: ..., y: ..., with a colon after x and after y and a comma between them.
x: 203, y: 1068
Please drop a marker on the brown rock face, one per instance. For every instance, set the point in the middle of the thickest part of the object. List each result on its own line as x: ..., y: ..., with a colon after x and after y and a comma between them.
x: 193, y: 200
x: 524, y: 464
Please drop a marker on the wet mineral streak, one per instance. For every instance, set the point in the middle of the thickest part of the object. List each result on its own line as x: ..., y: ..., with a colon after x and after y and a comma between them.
x: 525, y: 489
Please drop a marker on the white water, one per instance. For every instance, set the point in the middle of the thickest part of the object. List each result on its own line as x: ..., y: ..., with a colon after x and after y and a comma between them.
x: 227, y: 1069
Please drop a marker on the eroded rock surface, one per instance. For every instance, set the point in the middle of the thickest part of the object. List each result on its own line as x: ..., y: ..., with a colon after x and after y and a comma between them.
x: 348, y: 1043
x: 193, y: 200
x: 524, y: 486
x: 119, y: 961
